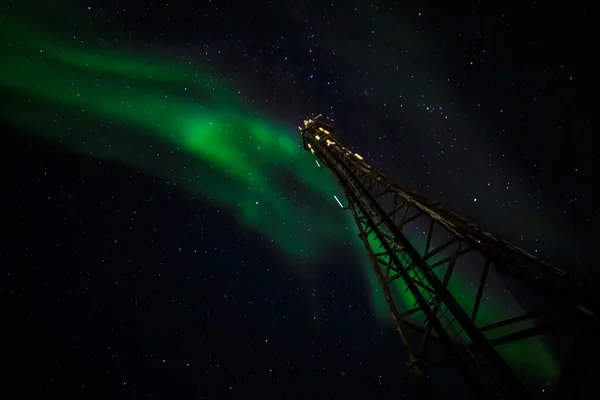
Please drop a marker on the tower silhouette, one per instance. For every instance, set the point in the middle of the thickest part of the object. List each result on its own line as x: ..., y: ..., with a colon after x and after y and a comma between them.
x: 417, y: 246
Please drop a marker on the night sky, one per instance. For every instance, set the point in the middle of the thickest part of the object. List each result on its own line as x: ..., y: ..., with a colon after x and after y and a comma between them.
x: 168, y: 237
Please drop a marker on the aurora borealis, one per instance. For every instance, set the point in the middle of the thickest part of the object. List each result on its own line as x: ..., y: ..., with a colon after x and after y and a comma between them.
x: 177, y: 106
x: 213, y: 116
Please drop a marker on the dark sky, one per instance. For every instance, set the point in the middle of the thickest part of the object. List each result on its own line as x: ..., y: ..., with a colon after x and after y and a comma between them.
x: 487, y: 110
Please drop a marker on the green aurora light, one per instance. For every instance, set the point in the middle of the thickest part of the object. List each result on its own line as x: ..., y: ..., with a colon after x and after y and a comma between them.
x: 77, y: 96
x: 193, y: 114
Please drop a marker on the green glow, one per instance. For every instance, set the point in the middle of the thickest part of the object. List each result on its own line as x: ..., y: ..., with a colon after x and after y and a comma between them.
x: 531, y: 356
x: 192, y: 114
x: 84, y: 97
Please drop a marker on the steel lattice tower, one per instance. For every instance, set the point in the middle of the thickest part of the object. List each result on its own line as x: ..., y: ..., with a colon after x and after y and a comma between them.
x: 384, y: 211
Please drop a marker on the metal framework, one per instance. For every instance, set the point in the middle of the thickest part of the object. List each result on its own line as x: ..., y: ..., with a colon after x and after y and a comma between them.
x: 387, y: 214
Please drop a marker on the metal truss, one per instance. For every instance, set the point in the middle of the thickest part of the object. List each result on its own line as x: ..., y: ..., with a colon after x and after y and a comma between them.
x: 387, y: 214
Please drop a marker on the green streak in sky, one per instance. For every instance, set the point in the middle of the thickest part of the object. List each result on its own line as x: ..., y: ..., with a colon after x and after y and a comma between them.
x: 253, y: 165
x: 179, y: 121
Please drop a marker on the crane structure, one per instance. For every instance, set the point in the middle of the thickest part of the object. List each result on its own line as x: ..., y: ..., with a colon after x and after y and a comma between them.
x: 437, y: 330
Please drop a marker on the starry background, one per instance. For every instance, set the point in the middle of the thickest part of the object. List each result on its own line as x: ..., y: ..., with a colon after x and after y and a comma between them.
x: 127, y: 275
